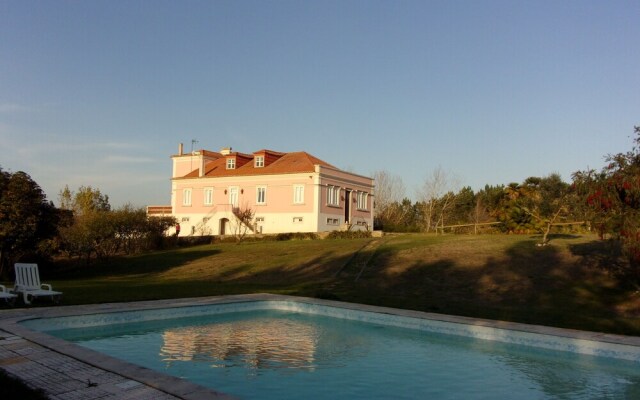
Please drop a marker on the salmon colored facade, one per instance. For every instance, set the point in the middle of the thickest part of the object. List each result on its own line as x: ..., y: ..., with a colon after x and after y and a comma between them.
x: 287, y: 192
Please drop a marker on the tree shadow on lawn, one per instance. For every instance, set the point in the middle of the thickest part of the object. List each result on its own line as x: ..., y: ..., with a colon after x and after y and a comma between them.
x: 553, y: 236
x: 536, y: 285
x: 314, y: 277
x: 605, y: 255
x: 151, y: 263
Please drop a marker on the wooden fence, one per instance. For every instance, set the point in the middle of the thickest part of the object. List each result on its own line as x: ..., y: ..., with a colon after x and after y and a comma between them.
x: 442, y: 229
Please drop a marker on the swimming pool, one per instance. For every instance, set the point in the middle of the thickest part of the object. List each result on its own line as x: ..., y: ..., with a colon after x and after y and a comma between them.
x: 281, y: 347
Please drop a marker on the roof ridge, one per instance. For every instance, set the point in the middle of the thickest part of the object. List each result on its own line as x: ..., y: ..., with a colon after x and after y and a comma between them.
x: 315, y: 160
x: 269, y: 151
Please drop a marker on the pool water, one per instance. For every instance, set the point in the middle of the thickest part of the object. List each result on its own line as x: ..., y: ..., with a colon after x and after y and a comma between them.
x: 279, y: 354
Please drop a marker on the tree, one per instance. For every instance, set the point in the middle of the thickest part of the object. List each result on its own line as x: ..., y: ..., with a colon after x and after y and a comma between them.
x: 157, y: 228
x: 514, y: 219
x: 545, y: 200
x: 535, y: 205
x: 389, y: 193
x: 131, y: 226
x: 462, y: 210
x: 84, y: 201
x: 26, y: 217
x: 97, y: 230
x: 491, y: 198
x: 438, y: 194
x: 93, y: 230
x: 612, y: 197
x: 244, y: 221
x: 479, y: 214
x: 402, y: 217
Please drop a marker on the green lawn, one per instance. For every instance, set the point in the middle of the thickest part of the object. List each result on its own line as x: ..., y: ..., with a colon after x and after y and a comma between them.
x: 566, y: 284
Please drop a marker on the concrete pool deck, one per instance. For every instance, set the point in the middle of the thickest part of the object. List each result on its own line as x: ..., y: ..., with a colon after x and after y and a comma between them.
x: 66, y: 371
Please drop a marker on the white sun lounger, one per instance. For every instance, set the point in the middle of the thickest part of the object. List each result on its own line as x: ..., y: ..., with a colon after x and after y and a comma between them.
x: 28, y: 284
x: 10, y: 298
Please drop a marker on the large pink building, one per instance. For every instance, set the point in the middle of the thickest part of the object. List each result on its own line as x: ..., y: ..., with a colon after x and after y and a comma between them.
x: 287, y: 192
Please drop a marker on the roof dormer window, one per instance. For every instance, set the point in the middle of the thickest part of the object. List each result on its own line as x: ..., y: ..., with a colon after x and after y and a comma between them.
x: 259, y: 162
x: 231, y: 163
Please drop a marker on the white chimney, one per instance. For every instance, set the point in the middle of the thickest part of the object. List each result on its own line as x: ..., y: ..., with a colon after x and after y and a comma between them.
x: 225, y: 151
x: 202, y: 162
x: 180, y: 149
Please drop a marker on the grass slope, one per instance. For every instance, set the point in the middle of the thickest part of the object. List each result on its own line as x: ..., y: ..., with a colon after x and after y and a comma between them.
x: 566, y: 284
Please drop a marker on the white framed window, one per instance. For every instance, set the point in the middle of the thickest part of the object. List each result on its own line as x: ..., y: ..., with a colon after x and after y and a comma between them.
x: 186, y: 197
x: 185, y: 219
x: 362, y: 200
x: 259, y: 219
x: 333, y: 195
x: 259, y: 162
x: 231, y: 163
x: 333, y: 221
x: 208, y: 196
x: 261, y: 195
x: 297, y: 220
x: 298, y: 194
x: 233, y: 196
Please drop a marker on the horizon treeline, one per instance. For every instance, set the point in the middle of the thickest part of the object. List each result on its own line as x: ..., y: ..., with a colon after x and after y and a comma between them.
x: 525, y: 207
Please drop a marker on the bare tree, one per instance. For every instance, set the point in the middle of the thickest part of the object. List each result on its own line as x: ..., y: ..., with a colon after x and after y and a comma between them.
x: 389, y: 192
x: 244, y: 220
x: 479, y: 214
x: 438, y: 192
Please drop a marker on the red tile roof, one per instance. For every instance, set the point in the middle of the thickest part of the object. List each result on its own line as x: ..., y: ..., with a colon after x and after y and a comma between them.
x: 287, y: 163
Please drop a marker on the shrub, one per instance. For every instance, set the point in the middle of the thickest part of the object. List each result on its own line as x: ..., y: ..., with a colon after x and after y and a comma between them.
x: 296, y: 236
x: 349, y: 235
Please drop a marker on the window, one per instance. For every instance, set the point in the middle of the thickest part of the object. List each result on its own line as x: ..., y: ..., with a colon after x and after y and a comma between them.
x: 208, y: 196
x: 259, y: 162
x: 259, y: 219
x: 333, y: 221
x: 261, y: 195
x: 233, y: 196
x: 185, y: 219
x: 333, y: 195
x: 186, y: 197
x: 298, y: 194
x: 297, y: 220
x: 231, y: 163
x: 362, y: 200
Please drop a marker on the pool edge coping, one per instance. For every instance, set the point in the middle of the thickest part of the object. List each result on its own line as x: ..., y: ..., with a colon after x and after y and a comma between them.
x: 10, y: 322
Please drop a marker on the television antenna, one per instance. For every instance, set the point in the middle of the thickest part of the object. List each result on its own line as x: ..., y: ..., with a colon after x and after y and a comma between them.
x: 193, y: 142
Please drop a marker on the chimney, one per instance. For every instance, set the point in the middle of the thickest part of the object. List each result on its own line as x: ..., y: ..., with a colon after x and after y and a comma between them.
x: 202, y: 162
x: 225, y: 151
x: 180, y: 149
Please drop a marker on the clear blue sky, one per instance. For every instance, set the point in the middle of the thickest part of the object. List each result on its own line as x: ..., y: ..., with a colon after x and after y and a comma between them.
x: 100, y: 93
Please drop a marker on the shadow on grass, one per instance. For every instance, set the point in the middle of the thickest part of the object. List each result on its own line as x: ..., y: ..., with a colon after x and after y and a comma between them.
x: 512, y: 280
x: 536, y: 285
x: 313, y: 273
x: 139, y: 264
x: 306, y: 278
x: 605, y: 255
x: 553, y: 236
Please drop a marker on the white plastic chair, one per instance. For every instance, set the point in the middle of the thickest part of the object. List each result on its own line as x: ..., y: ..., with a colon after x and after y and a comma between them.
x: 10, y: 298
x: 28, y: 284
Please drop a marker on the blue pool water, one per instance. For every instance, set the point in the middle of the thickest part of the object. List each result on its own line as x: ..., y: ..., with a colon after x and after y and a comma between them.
x: 285, y: 354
